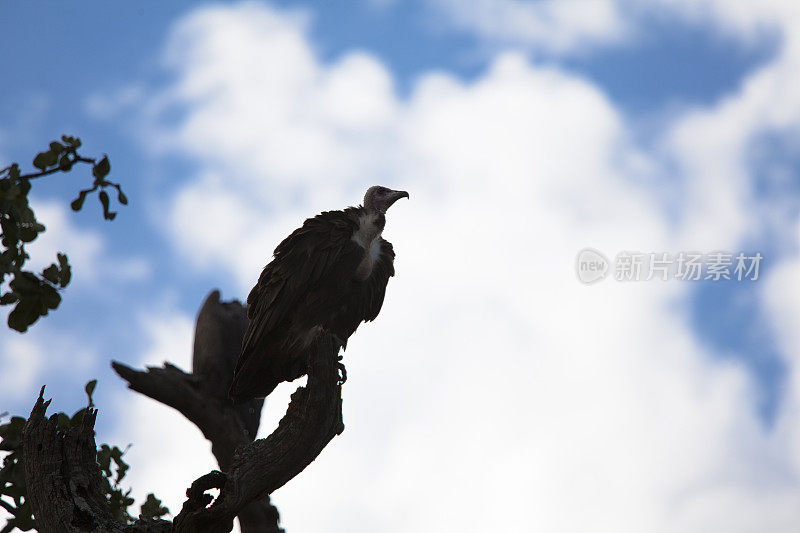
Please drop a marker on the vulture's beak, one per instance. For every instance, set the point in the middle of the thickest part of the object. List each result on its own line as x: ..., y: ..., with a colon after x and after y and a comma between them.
x: 396, y: 195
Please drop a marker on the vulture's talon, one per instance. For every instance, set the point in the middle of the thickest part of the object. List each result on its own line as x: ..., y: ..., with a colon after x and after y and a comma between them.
x: 342, y: 370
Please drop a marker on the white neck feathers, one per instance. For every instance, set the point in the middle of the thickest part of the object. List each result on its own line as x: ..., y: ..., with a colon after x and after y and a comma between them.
x: 368, y: 230
x: 368, y: 237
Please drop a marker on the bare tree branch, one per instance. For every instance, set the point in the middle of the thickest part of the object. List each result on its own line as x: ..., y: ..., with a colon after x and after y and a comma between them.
x: 202, y: 397
x: 313, y: 418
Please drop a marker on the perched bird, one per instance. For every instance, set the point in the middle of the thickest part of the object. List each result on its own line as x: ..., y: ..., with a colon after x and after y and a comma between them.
x: 327, y: 276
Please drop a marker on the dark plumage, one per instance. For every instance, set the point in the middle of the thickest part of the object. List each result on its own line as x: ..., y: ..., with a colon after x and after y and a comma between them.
x: 328, y: 275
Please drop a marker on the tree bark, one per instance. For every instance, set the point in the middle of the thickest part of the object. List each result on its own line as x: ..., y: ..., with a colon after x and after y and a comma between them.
x: 63, y: 477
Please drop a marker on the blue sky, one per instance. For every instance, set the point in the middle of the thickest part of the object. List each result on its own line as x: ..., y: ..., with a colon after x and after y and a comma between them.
x: 664, y: 126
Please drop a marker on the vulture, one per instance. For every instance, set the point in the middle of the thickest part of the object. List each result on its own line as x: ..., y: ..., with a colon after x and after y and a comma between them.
x: 328, y: 276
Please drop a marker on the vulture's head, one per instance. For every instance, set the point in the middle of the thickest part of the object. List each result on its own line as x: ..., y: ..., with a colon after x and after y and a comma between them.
x: 378, y: 199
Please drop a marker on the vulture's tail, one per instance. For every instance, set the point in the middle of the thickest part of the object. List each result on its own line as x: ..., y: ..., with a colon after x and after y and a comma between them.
x: 248, y: 385
x: 257, y: 375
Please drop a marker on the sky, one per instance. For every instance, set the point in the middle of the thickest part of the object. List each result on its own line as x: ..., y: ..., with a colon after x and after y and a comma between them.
x: 495, y: 391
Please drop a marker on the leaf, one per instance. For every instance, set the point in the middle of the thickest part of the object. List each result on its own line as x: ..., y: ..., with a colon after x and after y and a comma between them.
x: 90, y: 390
x: 56, y: 147
x: 104, y: 459
x: 122, y: 468
x: 45, y: 159
x: 101, y: 168
x: 40, y: 161
x: 28, y: 232
x: 50, y: 297
x: 77, y: 417
x: 73, y: 142
x: 18, y: 322
x: 23, y: 517
x: 8, y: 298
x: 12, y: 437
x: 29, y: 228
x: 121, y: 197
x: 51, y: 274
x: 65, y: 273
x: 65, y: 163
x: 108, y: 215
x: 24, y: 314
x: 152, y: 508
x: 63, y: 421
x: 77, y: 203
x: 10, y: 232
x: 25, y: 283
x: 9, y: 190
x: 18, y: 422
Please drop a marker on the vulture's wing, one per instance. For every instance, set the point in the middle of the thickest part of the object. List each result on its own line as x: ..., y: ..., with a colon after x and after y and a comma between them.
x: 317, y: 254
x: 375, y: 289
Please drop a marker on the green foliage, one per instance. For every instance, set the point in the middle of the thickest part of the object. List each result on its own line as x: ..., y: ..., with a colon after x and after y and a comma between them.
x: 13, y: 492
x: 34, y: 295
x: 118, y: 501
x: 12, y: 475
x: 152, y: 508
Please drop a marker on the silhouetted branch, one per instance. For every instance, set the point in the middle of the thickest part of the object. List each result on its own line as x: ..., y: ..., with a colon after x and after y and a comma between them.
x: 313, y: 418
x: 66, y: 168
x: 202, y: 396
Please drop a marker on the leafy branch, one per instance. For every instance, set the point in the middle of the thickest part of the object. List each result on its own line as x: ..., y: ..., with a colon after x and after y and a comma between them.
x: 33, y: 294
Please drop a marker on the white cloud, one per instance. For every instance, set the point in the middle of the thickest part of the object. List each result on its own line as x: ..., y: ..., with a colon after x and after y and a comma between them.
x: 39, y: 357
x: 781, y: 296
x: 21, y: 360
x: 741, y: 19
x: 494, y: 392
x: 278, y: 83
x: 571, y: 27
x: 712, y: 146
x: 551, y: 26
